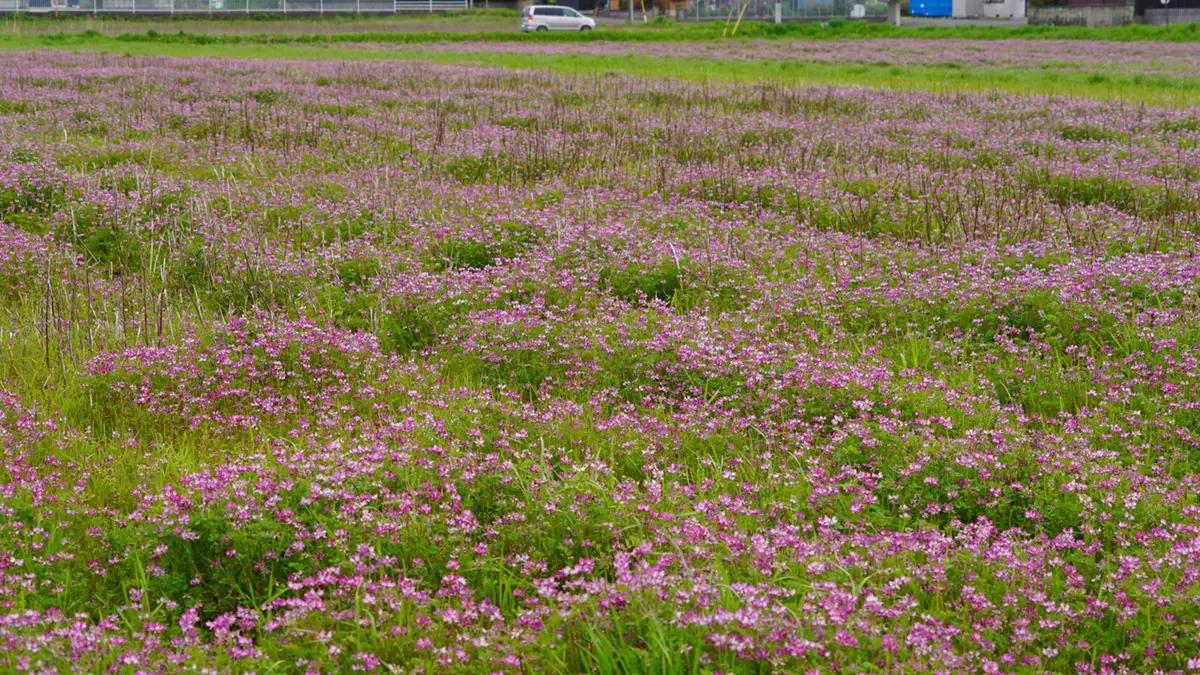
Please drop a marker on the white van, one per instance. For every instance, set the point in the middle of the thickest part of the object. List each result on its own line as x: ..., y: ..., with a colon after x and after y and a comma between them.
x: 553, y: 17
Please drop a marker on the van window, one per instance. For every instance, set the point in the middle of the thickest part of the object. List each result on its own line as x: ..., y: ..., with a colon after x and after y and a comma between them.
x: 548, y: 11
x: 570, y: 12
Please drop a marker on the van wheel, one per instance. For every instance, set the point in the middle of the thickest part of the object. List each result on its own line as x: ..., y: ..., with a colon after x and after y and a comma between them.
x: 542, y: 29
x: 583, y: 28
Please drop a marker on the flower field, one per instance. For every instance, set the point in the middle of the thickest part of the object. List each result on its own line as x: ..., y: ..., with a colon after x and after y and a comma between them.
x: 1138, y: 58
x: 396, y: 367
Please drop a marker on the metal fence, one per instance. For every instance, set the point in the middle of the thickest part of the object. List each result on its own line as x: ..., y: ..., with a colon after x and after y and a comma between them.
x: 697, y: 10
x: 708, y: 10
x: 226, y: 7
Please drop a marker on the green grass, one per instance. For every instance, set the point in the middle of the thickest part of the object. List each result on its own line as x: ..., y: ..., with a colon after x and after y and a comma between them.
x: 663, y: 30
x: 1181, y: 91
x: 658, y: 30
x: 1152, y: 90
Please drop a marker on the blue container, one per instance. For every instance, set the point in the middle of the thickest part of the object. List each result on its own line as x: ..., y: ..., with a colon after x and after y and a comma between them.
x: 931, y: 7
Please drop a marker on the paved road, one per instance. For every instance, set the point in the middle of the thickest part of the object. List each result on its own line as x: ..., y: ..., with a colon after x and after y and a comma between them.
x: 916, y: 21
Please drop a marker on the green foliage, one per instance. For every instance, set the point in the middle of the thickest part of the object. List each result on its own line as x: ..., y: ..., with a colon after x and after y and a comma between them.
x: 15, y: 107
x: 1080, y: 133
x: 639, y: 282
x: 357, y: 272
x: 112, y: 247
x: 267, y: 96
x: 406, y: 330
x: 1139, y: 200
x: 27, y: 197
x: 461, y: 253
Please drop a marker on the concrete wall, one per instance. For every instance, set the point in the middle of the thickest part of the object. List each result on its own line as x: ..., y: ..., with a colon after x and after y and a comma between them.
x: 967, y: 9
x: 1159, y: 17
x: 1100, y: 16
x: 1004, y: 9
x: 142, y: 5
